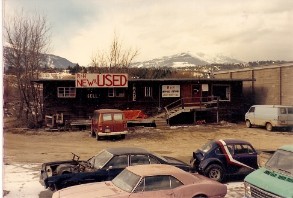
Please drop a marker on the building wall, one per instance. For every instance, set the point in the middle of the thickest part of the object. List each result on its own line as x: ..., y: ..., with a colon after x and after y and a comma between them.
x: 272, y: 85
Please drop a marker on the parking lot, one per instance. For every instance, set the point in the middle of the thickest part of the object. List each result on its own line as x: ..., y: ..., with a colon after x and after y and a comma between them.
x: 25, y: 150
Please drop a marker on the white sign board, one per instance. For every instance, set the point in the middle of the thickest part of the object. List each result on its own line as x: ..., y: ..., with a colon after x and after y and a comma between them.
x: 84, y: 80
x: 170, y: 91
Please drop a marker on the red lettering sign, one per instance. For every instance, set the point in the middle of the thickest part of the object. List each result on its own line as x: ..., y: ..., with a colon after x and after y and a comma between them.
x: 101, y: 80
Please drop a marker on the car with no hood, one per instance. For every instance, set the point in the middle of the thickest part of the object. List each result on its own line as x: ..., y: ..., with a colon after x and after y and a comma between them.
x: 104, y: 166
x: 218, y: 159
x: 156, y: 180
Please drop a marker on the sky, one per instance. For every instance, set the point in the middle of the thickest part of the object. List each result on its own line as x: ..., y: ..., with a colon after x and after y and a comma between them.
x: 248, y: 30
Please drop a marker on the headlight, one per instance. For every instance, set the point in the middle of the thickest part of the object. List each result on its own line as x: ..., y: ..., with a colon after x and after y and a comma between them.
x: 247, y: 189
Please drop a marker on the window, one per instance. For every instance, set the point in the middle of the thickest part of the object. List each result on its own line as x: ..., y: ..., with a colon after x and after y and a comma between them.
x: 148, y: 92
x: 118, y: 116
x: 175, y: 182
x: 283, y: 110
x: 290, y: 110
x: 159, y: 182
x: 139, y: 159
x: 222, y: 91
x: 113, y: 92
x: 252, y: 109
x: 119, y: 161
x: 107, y: 117
x: 66, y: 92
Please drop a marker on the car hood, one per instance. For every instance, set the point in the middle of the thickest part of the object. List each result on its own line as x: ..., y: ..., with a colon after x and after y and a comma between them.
x: 98, y: 189
x: 271, y: 181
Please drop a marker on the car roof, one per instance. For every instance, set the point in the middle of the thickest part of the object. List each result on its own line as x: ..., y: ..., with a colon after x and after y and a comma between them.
x: 234, y: 141
x: 287, y: 147
x: 162, y: 169
x: 126, y: 150
x: 108, y: 110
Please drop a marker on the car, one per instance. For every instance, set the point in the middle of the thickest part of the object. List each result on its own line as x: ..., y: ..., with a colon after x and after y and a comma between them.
x: 104, y: 166
x: 219, y: 159
x: 155, y: 180
x: 275, y: 179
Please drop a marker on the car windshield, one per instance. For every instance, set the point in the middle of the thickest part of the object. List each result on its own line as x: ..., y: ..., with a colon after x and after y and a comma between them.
x: 126, y: 180
x: 100, y: 159
x: 205, y: 148
x: 281, y: 161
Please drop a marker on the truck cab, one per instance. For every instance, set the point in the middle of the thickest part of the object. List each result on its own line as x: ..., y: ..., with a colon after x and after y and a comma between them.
x: 108, y: 122
x: 275, y: 179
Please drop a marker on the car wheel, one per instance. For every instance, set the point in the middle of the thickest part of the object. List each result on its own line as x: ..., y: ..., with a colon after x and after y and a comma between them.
x: 248, y: 124
x: 200, y: 196
x: 98, y: 137
x: 215, y: 172
x: 122, y: 136
x: 269, y: 126
x: 92, y: 134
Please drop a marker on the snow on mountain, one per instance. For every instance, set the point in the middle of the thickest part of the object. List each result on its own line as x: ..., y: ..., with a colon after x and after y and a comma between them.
x: 183, y: 60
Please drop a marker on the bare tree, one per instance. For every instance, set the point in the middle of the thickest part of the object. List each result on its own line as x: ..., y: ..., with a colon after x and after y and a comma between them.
x: 117, y: 56
x: 28, y: 40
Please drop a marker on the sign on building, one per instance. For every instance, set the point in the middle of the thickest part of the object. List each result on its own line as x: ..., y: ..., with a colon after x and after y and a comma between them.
x: 84, y: 80
x: 170, y: 91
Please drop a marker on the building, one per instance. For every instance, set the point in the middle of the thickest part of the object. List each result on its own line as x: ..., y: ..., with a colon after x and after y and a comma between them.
x: 273, y: 84
x: 182, y: 100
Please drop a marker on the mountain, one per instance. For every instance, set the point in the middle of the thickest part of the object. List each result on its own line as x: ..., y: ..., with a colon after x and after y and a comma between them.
x: 51, y: 61
x: 184, y: 60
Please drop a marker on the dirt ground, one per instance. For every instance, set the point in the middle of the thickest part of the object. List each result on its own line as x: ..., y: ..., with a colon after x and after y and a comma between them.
x: 38, y: 146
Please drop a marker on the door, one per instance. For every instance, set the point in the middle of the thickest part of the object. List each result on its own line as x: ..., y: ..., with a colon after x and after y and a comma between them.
x: 196, y: 93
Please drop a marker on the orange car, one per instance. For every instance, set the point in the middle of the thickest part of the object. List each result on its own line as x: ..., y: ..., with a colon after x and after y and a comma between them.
x: 155, y: 180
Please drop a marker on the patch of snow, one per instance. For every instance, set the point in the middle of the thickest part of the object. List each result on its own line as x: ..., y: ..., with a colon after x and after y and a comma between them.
x: 21, y: 181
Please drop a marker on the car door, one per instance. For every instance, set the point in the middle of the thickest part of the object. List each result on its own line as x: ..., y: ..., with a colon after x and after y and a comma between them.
x: 116, y: 165
x: 247, y: 158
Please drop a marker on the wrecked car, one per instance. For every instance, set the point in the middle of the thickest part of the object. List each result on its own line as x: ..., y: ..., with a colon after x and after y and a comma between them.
x: 104, y: 166
x: 220, y: 159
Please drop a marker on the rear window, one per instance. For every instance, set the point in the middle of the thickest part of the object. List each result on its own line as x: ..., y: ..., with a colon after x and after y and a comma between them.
x: 107, y: 117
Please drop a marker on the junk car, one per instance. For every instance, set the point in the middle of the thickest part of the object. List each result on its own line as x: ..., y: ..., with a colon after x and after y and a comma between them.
x: 155, y: 180
x: 104, y: 166
x: 218, y: 159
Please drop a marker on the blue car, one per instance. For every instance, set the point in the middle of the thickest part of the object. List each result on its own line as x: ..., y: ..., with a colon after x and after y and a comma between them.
x: 104, y: 166
x: 219, y: 159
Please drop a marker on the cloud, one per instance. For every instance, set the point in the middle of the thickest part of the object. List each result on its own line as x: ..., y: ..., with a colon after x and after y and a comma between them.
x: 248, y: 30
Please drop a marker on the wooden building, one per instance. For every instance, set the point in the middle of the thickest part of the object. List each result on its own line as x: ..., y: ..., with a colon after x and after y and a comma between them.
x: 181, y: 100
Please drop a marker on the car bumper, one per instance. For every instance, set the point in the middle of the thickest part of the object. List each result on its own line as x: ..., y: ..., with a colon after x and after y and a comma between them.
x: 112, y: 133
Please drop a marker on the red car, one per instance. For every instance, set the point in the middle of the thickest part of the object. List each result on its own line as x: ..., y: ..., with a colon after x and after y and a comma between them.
x: 149, y: 181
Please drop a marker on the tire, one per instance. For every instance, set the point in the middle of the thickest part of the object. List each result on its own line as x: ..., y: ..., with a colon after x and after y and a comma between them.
x: 248, y: 124
x: 122, y: 136
x: 92, y: 134
x: 214, y: 172
x: 199, y: 196
x: 269, y: 126
x: 98, y: 137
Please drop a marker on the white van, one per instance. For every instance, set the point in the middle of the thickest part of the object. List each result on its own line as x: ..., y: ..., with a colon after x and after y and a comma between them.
x: 269, y: 116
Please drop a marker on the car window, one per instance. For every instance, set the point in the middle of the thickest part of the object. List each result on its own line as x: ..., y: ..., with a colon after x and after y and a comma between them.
x: 218, y: 151
x: 251, y: 109
x: 139, y: 159
x: 154, y: 160
x: 230, y: 149
x: 118, y: 116
x: 283, y: 110
x: 158, y: 182
x: 243, y: 149
x: 175, y: 182
x: 107, y: 117
x: 118, y: 162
